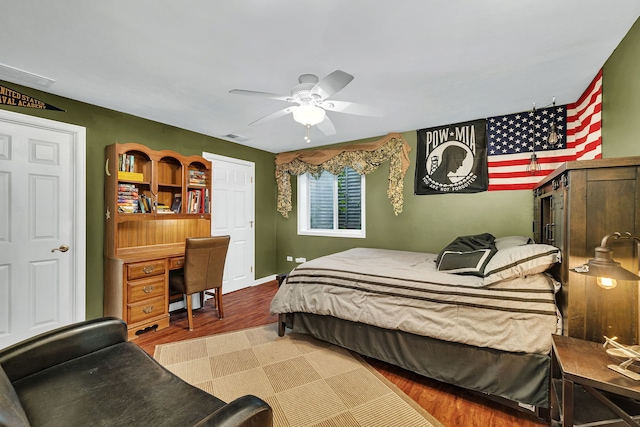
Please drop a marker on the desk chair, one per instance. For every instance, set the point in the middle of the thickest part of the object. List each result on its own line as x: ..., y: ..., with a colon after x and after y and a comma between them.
x: 204, y: 259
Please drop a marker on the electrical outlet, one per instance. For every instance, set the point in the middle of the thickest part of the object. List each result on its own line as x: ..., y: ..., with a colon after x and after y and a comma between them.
x: 289, y: 258
x: 301, y: 260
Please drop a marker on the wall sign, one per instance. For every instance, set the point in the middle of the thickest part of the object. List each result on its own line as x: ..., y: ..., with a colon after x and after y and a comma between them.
x: 17, y: 99
x: 452, y: 159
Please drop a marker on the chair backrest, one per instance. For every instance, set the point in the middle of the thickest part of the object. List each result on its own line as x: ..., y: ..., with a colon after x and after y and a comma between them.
x: 204, y: 259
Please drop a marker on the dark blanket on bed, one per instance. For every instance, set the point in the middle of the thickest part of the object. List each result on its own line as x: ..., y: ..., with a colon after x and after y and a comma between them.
x: 467, y: 254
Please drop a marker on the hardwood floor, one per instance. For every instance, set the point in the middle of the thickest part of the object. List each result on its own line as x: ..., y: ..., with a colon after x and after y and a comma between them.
x: 452, y: 406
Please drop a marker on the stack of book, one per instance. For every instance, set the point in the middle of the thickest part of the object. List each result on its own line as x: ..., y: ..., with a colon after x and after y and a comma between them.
x: 128, y: 198
x: 164, y: 209
x: 197, y: 178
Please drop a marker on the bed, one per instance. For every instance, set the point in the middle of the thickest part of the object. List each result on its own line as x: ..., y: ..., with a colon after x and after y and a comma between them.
x: 483, y: 324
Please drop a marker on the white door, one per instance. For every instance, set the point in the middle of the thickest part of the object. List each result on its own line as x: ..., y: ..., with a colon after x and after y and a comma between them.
x: 42, y: 212
x: 232, y: 213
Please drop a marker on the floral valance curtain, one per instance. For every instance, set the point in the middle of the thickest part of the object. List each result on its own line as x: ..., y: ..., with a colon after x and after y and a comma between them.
x: 364, y: 158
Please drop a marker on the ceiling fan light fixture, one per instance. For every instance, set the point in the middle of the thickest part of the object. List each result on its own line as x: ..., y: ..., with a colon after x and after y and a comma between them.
x: 308, y: 115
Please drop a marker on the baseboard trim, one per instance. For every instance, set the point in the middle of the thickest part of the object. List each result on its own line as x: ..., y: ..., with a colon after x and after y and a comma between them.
x: 264, y: 280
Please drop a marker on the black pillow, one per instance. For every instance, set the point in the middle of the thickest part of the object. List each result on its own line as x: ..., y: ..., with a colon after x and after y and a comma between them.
x: 467, y: 254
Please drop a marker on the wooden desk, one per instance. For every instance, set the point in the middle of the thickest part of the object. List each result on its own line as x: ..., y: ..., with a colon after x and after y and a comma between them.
x: 142, y: 242
x: 583, y: 391
x: 137, y: 285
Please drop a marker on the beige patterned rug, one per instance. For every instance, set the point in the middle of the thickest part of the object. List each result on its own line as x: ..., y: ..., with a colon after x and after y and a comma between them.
x: 307, y: 382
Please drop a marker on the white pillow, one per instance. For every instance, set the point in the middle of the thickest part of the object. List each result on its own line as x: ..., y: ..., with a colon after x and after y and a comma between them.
x: 510, y: 241
x: 519, y: 261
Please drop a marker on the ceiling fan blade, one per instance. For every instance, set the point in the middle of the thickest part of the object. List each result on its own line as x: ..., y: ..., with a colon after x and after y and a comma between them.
x: 261, y: 94
x: 272, y: 116
x: 326, y: 126
x: 331, y: 84
x: 352, y: 108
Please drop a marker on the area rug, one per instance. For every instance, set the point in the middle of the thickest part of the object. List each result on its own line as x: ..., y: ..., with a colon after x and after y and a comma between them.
x: 307, y: 382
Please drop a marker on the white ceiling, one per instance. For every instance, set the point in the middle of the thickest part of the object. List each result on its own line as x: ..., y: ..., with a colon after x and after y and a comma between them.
x: 425, y: 62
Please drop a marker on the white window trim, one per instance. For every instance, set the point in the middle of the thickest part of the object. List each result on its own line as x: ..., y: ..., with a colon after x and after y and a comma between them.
x: 304, y: 219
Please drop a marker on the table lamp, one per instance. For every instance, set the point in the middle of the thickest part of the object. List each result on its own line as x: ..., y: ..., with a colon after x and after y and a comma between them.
x: 603, y: 267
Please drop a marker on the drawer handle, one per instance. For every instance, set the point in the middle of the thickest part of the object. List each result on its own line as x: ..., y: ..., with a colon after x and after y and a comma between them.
x: 147, y: 289
x: 148, y: 309
x: 180, y: 262
x: 148, y: 269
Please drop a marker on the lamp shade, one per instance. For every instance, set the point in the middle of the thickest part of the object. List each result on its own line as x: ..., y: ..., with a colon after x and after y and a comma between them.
x: 308, y: 115
x: 603, y: 265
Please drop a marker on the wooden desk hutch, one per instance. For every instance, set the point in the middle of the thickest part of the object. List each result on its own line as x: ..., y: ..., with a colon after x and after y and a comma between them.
x: 143, y: 241
x: 574, y: 208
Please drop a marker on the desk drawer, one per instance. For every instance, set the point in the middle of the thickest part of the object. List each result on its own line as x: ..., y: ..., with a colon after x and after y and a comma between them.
x: 145, y: 269
x: 145, y: 288
x: 146, y: 309
x: 176, y: 263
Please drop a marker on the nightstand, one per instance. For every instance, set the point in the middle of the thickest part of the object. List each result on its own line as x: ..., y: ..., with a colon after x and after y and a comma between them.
x: 583, y: 391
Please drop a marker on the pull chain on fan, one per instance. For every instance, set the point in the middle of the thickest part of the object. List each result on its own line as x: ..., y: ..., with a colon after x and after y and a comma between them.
x: 306, y: 137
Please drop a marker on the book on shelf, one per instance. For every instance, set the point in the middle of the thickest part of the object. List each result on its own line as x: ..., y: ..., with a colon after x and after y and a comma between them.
x: 177, y: 203
x: 193, y: 208
x: 144, y: 204
x: 126, y: 163
x: 141, y: 207
x: 199, y: 201
x: 123, y: 186
x: 127, y: 208
x: 130, y: 176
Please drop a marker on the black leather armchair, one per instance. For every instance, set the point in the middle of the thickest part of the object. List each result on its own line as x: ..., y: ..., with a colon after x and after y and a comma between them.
x: 88, y: 374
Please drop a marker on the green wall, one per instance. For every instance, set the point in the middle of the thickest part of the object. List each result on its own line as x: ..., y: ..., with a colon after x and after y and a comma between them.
x: 621, y: 98
x: 105, y: 127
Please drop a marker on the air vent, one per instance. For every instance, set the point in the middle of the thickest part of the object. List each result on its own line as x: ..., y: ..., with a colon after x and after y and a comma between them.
x: 236, y: 137
x: 14, y: 74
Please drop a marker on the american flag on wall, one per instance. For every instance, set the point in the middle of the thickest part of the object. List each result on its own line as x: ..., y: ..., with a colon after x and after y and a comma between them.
x: 512, y: 138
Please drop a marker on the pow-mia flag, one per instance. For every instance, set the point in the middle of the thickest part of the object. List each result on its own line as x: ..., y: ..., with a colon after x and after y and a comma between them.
x: 452, y: 159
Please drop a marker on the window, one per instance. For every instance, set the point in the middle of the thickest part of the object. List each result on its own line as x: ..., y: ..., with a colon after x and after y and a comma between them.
x: 331, y: 205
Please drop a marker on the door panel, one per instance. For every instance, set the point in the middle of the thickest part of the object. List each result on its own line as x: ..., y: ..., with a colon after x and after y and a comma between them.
x: 44, y: 289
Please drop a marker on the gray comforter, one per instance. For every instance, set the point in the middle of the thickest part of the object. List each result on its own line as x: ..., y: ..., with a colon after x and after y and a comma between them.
x: 402, y: 290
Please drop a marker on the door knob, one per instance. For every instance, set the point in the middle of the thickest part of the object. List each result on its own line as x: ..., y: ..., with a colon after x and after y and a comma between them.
x: 62, y: 248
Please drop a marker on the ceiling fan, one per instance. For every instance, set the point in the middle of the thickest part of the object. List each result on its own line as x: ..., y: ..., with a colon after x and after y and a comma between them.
x: 312, y: 98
